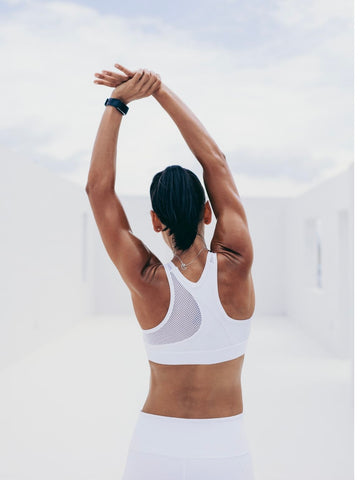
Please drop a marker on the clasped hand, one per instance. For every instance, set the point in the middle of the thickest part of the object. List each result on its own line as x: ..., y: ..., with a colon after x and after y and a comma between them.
x: 131, y: 86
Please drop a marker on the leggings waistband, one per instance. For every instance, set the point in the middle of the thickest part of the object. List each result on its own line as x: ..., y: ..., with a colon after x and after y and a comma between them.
x: 192, y: 420
x: 190, y: 437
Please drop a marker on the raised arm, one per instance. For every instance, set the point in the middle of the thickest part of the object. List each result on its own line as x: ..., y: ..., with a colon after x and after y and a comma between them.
x: 131, y: 257
x: 231, y: 232
x: 196, y: 136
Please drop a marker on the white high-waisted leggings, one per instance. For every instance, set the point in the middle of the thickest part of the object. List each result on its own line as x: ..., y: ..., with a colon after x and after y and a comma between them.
x: 171, y: 448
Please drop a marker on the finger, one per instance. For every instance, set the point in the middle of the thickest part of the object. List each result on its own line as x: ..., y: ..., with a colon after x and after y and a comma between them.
x: 103, y: 82
x: 145, y: 78
x: 157, y: 76
x: 151, y: 79
x: 124, y: 69
x: 116, y: 76
x: 109, y: 80
x: 154, y: 86
x: 137, y: 76
x: 116, y: 80
x: 99, y: 75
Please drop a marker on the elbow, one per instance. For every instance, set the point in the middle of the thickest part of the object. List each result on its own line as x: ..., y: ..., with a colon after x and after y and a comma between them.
x: 222, y: 162
x: 219, y: 155
x: 215, y: 159
x: 99, y: 185
x: 221, y: 158
x: 89, y: 188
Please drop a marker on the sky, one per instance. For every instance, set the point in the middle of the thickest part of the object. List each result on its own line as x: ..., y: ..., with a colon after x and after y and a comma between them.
x: 271, y: 80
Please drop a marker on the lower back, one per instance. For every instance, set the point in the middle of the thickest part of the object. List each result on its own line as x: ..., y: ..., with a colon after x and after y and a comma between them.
x: 195, y: 391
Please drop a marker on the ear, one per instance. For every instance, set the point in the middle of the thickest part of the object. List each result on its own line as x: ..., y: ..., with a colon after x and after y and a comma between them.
x: 157, y: 225
x: 207, y: 213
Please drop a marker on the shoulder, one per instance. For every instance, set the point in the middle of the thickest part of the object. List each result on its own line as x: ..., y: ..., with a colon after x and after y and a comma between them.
x: 232, y: 262
x: 153, y: 276
x: 152, y: 298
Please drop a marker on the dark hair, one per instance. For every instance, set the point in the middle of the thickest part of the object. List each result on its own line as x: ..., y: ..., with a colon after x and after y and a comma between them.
x: 178, y: 199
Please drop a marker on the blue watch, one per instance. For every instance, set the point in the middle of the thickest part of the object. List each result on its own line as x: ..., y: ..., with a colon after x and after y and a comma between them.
x: 118, y: 104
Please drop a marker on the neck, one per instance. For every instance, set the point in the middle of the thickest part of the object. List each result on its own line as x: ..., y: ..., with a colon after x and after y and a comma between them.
x: 189, y: 254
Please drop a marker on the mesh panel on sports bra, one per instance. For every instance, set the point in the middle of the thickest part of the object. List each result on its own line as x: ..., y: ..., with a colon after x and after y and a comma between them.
x: 184, y: 320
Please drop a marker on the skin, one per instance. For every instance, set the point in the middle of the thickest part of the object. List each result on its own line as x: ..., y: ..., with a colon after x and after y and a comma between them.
x: 186, y: 391
x: 195, y: 391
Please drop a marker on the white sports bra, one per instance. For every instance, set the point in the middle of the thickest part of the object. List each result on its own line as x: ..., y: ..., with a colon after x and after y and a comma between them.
x: 196, y: 328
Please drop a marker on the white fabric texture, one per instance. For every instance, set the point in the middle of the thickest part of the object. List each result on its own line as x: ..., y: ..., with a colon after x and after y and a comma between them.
x: 196, y: 328
x: 188, y: 449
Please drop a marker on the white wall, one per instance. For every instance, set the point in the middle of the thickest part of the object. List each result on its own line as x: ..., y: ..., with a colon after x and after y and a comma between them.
x: 267, y: 224
x: 43, y: 283
x: 324, y: 308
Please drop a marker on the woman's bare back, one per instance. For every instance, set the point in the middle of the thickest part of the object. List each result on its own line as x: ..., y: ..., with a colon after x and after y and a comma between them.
x: 196, y: 391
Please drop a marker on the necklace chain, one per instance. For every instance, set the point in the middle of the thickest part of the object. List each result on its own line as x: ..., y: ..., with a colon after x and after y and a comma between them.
x: 185, y: 265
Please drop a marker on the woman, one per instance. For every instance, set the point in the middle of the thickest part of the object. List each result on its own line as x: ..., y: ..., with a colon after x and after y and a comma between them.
x: 194, y: 310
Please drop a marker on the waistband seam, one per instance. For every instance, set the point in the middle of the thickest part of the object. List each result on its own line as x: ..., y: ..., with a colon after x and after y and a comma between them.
x: 194, y: 420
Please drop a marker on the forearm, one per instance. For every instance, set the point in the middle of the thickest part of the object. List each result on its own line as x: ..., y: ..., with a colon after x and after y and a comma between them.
x: 102, y: 170
x: 198, y: 139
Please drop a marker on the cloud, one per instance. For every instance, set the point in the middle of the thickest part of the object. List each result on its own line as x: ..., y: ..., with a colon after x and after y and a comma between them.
x: 298, y: 165
x: 276, y: 112
x: 312, y: 14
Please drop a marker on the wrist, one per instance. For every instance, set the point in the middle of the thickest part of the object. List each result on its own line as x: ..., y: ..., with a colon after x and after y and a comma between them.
x: 113, y: 116
x: 117, y: 105
x: 160, y: 91
x: 123, y: 98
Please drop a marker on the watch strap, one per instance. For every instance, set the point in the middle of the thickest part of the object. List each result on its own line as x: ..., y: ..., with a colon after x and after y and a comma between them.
x: 118, y: 104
